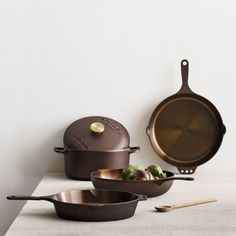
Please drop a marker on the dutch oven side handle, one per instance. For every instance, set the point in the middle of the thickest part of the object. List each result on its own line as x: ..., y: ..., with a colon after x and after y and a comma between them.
x: 134, y: 149
x: 62, y: 150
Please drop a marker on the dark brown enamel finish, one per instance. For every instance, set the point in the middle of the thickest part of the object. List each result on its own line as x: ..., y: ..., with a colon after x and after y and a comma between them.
x: 79, y: 135
x: 79, y: 163
x: 112, y: 179
x: 86, y: 151
x: 186, y: 130
x: 91, y: 205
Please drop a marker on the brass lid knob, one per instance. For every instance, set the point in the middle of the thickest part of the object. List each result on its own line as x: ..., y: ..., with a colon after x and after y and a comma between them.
x: 97, y: 127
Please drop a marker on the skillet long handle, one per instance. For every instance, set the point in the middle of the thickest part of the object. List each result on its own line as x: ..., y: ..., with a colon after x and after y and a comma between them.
x: 45, y: 198
x: 184, y: 71
x: 175, y: 178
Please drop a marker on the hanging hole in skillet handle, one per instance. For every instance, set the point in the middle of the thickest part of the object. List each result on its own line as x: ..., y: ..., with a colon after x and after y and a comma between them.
x: 134, y: 149
x: 184, y: 72
x: 62, y: 150
x: 186, y: 170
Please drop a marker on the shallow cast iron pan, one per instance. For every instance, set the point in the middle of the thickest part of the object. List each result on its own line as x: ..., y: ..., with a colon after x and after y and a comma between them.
x: 91, y: 205
x: 112, y: 179
x: 186, y: 130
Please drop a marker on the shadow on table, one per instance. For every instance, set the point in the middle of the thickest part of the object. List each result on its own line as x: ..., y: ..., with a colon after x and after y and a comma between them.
x: 50, y: 215
x: 46, y: 214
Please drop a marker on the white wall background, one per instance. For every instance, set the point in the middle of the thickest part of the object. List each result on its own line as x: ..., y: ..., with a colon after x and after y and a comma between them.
x: 63, y: 60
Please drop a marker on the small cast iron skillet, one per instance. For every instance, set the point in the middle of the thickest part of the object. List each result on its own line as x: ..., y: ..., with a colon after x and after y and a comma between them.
x: 112, y: 179
x: 91, y: 204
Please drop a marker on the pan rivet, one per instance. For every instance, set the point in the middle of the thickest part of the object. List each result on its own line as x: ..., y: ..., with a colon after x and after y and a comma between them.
x: 97, y: 127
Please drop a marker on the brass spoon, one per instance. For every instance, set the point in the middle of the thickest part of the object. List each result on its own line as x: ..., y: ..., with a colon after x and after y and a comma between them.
x: 172, y: 207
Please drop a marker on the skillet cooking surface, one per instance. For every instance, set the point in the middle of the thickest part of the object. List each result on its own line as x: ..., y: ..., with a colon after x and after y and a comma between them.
x: 93, y: 197
x: 116, y: 174
x: 186, y: 129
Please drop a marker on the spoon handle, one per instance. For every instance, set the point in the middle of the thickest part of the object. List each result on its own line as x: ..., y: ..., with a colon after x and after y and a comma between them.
x: 194, y: 203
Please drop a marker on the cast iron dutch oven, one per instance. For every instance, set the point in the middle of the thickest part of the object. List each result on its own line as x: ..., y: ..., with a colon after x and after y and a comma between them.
x: 186, y: 130
x: 93, y: 143
x: 91, y: 205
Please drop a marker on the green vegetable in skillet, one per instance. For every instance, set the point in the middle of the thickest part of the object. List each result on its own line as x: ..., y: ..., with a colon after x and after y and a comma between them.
x: 129, y: 173
x: 156, y: 171
x: 135, y: 172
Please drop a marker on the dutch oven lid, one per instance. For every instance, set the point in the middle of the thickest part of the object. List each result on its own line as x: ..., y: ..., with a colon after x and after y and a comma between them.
x: 96, y: 133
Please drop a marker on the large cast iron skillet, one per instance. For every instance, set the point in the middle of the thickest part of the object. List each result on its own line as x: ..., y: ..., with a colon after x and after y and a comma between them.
x: 112, y: 179
x: 91, y: 205
x: 186, y: 129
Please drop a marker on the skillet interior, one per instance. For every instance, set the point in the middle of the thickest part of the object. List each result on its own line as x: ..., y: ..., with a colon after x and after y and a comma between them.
x: 112, y: 179
x: 115, y: 174
x: 186, y: 129
x: 94, y: 197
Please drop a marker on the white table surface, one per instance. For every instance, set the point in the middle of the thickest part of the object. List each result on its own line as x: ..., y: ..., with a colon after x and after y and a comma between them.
x: 219, y: 218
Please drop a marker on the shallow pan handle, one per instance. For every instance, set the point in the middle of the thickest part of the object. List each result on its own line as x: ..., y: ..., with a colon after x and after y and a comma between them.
x: 62, y: 150
x: 134, y: 149
x: 142, y: 197
x: 34, y: 198
x: 186, y: 170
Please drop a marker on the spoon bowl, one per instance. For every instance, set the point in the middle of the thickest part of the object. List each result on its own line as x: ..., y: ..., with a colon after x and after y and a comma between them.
x: 164, y: 208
